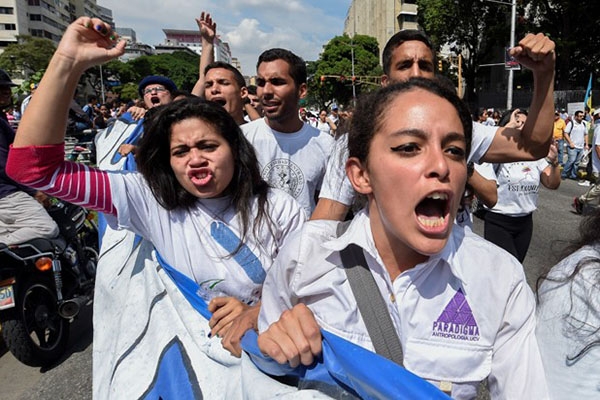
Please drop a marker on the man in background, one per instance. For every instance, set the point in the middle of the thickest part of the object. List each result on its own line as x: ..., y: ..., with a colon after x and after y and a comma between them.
x: 22, y: 217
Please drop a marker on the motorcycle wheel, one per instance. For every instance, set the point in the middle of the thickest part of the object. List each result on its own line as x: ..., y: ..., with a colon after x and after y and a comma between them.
x: 34, y: 332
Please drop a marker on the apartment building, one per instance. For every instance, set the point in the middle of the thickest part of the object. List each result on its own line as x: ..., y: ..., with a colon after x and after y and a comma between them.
x: 44, y: 18
x: 380, y: 18
x: 191, y: 39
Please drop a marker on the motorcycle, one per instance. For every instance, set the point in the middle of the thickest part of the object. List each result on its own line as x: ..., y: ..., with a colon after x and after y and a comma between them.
x: 44, y: 283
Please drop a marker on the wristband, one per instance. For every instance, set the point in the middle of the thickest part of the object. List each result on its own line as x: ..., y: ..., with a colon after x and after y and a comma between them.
x: 553, y: 163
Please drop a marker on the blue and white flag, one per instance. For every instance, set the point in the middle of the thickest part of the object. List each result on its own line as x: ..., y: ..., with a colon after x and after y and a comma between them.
x: 151, y: 334
x: 587, y: 101
x: 344, y: 370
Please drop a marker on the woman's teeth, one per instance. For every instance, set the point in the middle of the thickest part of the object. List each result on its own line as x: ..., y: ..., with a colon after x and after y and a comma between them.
x: 438, y: 196
x: 432, y: 222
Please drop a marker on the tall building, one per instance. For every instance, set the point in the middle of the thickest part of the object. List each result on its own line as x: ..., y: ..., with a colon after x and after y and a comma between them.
x: 127, y: 34
x: 44, y: 18
x: 106, y: 15
x: 91, y: 9
x: 236, y: 63
x: 380, y: 18
x: 191, y: 39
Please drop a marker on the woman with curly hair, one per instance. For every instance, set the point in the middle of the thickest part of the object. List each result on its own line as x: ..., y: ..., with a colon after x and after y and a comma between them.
x: 198, y: 198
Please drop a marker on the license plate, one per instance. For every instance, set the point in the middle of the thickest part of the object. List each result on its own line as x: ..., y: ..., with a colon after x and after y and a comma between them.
x: 7, y: 297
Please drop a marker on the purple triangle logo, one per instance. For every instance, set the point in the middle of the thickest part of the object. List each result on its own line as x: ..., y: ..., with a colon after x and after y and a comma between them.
x: 456, y: 320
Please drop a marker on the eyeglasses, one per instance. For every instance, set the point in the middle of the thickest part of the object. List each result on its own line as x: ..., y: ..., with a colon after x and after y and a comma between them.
x: 157, y: 89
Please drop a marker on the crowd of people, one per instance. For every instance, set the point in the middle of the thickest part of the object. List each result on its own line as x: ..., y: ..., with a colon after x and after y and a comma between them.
x: 207, y: 198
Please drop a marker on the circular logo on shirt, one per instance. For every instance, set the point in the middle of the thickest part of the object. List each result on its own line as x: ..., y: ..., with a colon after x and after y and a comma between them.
x: 285, y: 175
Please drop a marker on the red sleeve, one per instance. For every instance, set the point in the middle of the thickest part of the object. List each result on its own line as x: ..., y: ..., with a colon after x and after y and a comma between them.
x: 44, y: 168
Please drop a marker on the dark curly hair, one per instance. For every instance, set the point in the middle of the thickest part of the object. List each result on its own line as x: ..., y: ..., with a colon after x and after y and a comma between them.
x: 372, y: 107
x: 153, y: 159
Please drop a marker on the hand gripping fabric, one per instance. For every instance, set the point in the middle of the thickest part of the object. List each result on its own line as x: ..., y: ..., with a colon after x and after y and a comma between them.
x: 353, y: 370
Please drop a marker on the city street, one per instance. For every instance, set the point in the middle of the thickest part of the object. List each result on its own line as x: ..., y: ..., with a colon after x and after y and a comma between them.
x: 70, y: 378
x: 555, y: 224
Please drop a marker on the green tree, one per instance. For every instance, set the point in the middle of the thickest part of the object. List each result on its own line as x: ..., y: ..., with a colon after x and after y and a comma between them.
x: 335, y: 65
x: 121, y: 71
x: 573, y: 25
x: 29, y: 55
x: 478, y: 30
x: 129, y: 91
x: 180, y: 66
x: 27, y: 59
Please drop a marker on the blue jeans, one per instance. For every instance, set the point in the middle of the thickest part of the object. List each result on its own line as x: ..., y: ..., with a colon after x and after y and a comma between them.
x: 574, y: 156
x: 560, y: 145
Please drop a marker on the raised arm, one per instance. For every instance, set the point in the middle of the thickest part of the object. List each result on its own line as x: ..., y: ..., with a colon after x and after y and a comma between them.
x: 37, y: 155
x: 251, y: 111
x: 331, y: 125
x: 535, y: 52
x: 550, y: 176
x: 485, y: 189
x: 86, y: 42
x: 208, y: 30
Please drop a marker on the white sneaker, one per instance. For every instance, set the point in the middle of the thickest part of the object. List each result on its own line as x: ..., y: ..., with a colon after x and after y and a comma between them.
x: 583, y: 183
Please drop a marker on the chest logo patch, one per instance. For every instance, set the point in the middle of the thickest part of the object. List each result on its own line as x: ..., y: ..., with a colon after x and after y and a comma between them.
x: 456, y: 320
x: 285, y: 175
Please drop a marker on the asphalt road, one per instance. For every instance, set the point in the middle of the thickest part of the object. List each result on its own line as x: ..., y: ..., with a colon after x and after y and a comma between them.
x: 69, y: 379
x: 554, y: 225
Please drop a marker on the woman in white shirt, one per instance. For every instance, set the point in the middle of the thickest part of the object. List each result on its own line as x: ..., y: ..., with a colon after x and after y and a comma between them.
x: 324, y: 124
x: 458, y: 321
x: 509, y: 223
x: 198, y: 198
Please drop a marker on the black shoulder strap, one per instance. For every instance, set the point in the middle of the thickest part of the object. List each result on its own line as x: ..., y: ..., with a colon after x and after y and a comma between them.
x: 371, y: 305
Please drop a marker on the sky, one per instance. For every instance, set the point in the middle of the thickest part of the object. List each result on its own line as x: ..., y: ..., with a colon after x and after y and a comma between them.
x: 249, y: 26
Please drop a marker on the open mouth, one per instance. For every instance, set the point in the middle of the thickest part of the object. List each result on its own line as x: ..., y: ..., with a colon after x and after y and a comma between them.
x: 220, y: 102
x: 200, y: 177
x: 433, y: 210
x: 270, y: 106
x: 155, y: 100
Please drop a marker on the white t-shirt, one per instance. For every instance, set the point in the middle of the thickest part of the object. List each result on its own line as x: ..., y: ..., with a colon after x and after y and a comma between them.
x: 457, y: 318
x: 577, y: 132
x: 567, y: 321
x: 293, y: 162
x: 595, y: 159
x: 518, y: 186
x: 489, y: 121
x: 464, y: 216
x: 199, y: 242
x: 336, y: 185
x: 323, y: 127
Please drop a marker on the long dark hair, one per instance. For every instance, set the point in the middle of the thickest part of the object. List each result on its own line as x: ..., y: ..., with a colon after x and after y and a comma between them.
x: 153, y: 159
x: 589, y: 234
